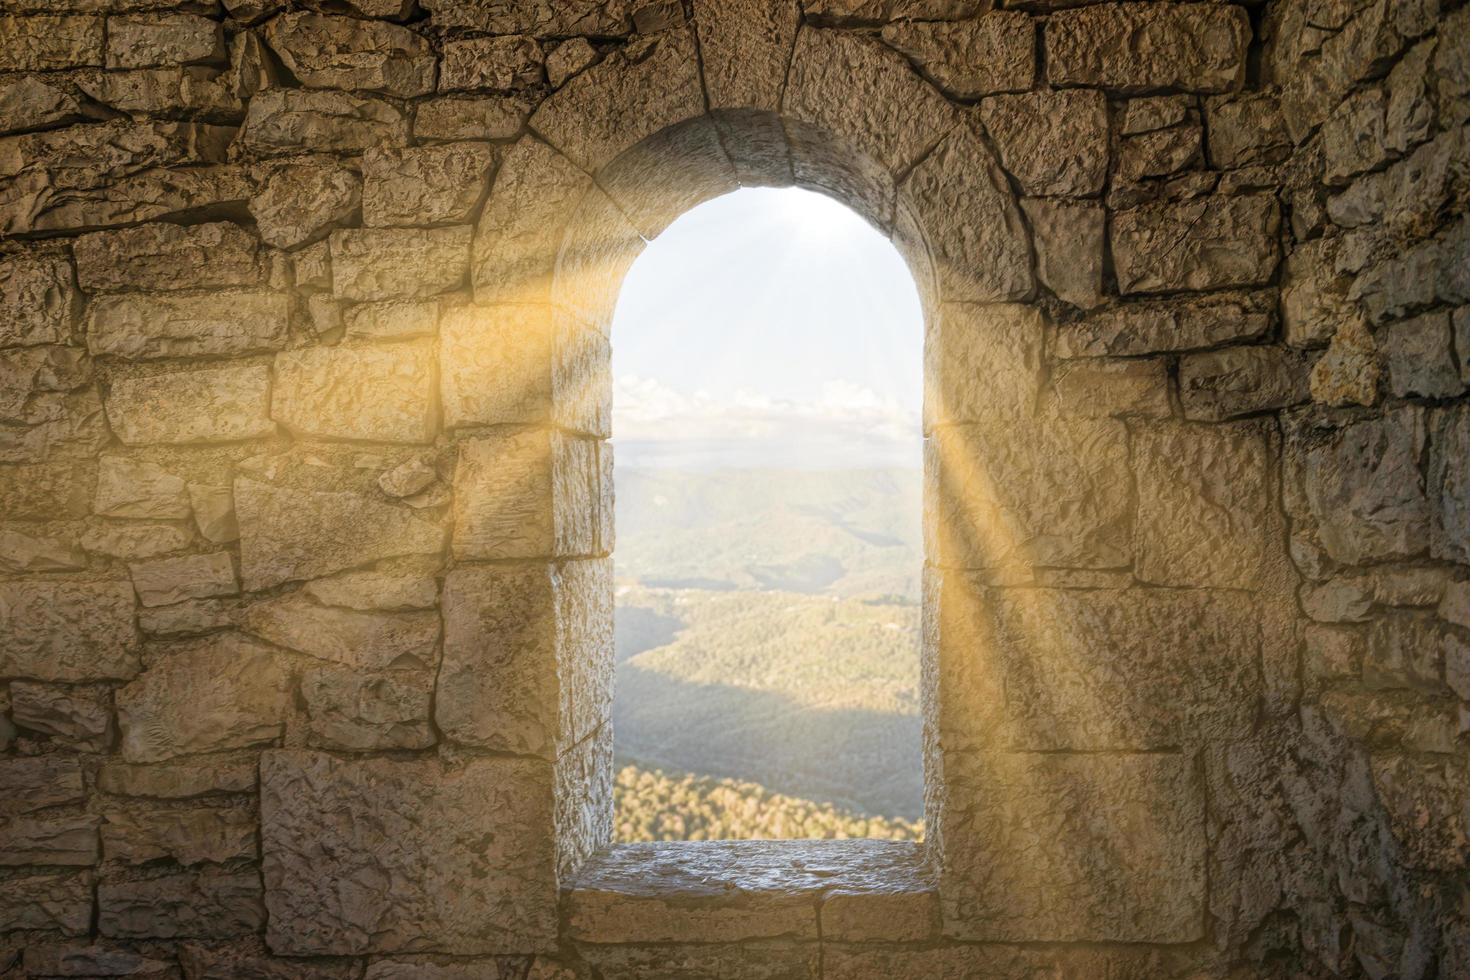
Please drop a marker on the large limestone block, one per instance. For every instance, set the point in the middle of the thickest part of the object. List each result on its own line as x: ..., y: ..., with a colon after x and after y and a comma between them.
x: 1014, y: 492
x: 420, y: 855
x: 36, y: 782
x: 427, y: 185
x: 137, y: 325
x: 1162, y: 326
x: 60, y: 841
x: 74, y: 716
x: 224, y: 692
x: 1068, y: 848
x: 382, y: 393
x: 38, y: 300
x: 983, y: 362
x: 597, y: 18
x: 139, y: 489
x: 526, y: 664
x: 1053, y: 143
x: 197, y: 835
x: 54, y: 425
x: 146, y: 40
x: 653, y: 183
x: 1223, y: 384
x: 1203, y: 505
x: 520, y: 231
x: 363, y: 712
x: 631, y: 94
x: 284, y: 120
x: 29, y: 102
x: 67, y: 631
x: 42, y: 43
x: 164, y: 581
x: 290, y: 533
x: 230, y: 774
x: 399, y: 263
x: 965, y: 211
x: 995, y: 52
x: 745, y: 48
x: 59, y: 902
x: 453, y: 118
x: 497, y: 63
x: 1069, y: 237
x: 202, y: 404
x: 301, y: 199
x: 214, y: 255
x: 1142, y: 47
x: 347, y: 53
x: 199, y: 91
x: 1098, y: 388
x: 148, y: 195
x: 362, y: 639
x: 496, y: 364
x: 203, y: 906
x: 1207, y: 243
x: 1449, y: 474
x: 533, y: 494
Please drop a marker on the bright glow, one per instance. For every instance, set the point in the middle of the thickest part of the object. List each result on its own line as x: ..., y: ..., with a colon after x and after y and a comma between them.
x: 768, y: 328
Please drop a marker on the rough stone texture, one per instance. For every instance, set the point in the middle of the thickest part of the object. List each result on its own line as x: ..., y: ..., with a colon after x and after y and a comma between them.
x: 65, y: 631
x: 138, y: 326
x: 1449, y: 485
x: 391, y: 263
x: 167, y: 256
x: 1419, y: 358
x: 346, y: 53
x: 137, y: 488
x: 60, y: 841
x: 969, y: 59
x: 1223, y: 384
x: 142, y: 40
x: 496, y: 63
x: 205, y: 906
x: 409, y: 853
x: 381, y: 394
x: 1099, y: 388
x: 427, y: 185
x: 281, y: 121
x: 300, y: 200
x: 192, y: 836
x: 1211, y: 243
x: 364, y: 639
x: 76, y: 716
x: 40, y: 43
x: 1069, y: 237
x: 496, y: 364
x: 164, y: 581
x: 745, y: 46
x: 38, y: 300
x: 1066, y: 158
x: 61, y: 902
x: 360, y: 712
x: 1149, y: 46
x: 1352, y: 369
x: 532, y: 494
x: 204, y: 404
x: 983, y: 362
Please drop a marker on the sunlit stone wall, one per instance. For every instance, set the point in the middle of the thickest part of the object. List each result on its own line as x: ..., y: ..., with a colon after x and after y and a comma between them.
x: 305, y: 495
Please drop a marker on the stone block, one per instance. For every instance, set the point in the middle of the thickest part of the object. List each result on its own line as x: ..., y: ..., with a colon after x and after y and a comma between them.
x: 45, y: 43
x: 223, y: 692
x: 399, y: 263
x: 973, y: 228
x: 138, y: 488
x: 139, y: 326
x: 135, y: 541
x: 145, y: 40
x: 37, y: 782
x: 290, y: 533
x: 596, y: 18
x: 381, y: 393
x: 200, y: 404
x: 497, y: 63
x: 47, y: 491
x: 532, y: 494
x: 164, y: 581
x: 362, y: 712
x: 361, y: 639
x: 495, y: 364
x: 1314, y: 301
x: 302, y: 199
x: 1246, y: 130
x: 1206, y: 243
x: 428, y: 185
x: 745, y: 49
x: 1427, y: 810
x: 284, y: 120
x: 1420, y: 357
x: 1164, y: 326
x: 387, y: 591
x: 29, y: 102
x: 1143, y: 47
x: 202, y: 906
x: 197, y: 835
x: 1055, y: 492
x: 76, y: 716
x: 1354, y: 138
x: 180, y: 781
x: 1223, y: 384
x: 394, y: 319
x: 569, y: 58
x: 76, y: 960
x: 1069, y: 239
x: 967, y: 59
x: 22, y: 551
x: 38, y: 300
x: 1067, y: 848
x: 215, y: 255
x: 61, y: 841
x: 1068, y: 157
x: 453, y: 118
x: 1104, y: 388
x: 53, y: 902
x: 983, y: 362
x: 525, y: 666
x: 199, y: 91
x: 328, y: 52
x: 407, y: 826
x: 430, y: 967
x: 1449, y: 484
x: 67, y: 631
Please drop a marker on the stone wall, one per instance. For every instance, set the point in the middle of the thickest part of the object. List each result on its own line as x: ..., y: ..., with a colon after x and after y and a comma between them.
x: 305, y: 495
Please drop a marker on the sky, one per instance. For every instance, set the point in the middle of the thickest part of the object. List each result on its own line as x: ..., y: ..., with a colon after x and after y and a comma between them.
x: 768, y: 328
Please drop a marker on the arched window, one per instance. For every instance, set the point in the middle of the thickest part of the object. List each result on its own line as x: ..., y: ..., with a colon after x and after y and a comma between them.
x: 767, y: 365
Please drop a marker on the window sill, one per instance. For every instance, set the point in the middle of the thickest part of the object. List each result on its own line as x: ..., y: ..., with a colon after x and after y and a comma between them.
x: 732, y: 891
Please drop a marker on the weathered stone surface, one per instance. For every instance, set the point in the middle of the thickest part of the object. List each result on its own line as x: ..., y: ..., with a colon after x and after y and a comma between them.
x: 163, y: 581
x: 202, y: 404
x: 302, y: 199
x: 206, y: 906
x: 1016, y: 492
x: 41, y: 43
x: 1361, y: 482
x: 359, y: 712
x: 569, y: 58
x: 983, y: 362
x: 1353, y: 138
x: 77, y: 716
x: 392, y: 320
x: 139, y: 326
x: 1426, y: 803
x: 60, y: 902
x: 1103, y: 388
x: 495, y: 364
x: 1350, y: 372
x: 533, y: 494
x: 426, y: 185
x: 745, y: 47
x: 215, y: 255
x: 50, y: 840
x: 145, y: 40
x: 399, y: 263
x: 1314, y: 301
x: 76, y: 960
x: 1207, y: 243
x: 1067, y: 848
x: 629, y: 95
x: 192, y: 617
x: 1067, y: 156
x: 22, y: 551
x: 55, y: 424
x: 1420, y: 358
x: 1245, y: 129
x: 975, y: 233
x: 382, y: 393
x: 288, y: 533
x: 1449, y: 482
x: 1235, y: 381
x: 347, y: 53
x: 39, y: 202
x: 201, y: 92
x: 38, y: 300
x: 995, y: 52
x: 496, y: 63
x: 40, y: 781
x: 225, y: 692
x: 29, y: 102
x: 1160, y: 152
x: 388, y: 591
x: 67, y: 631
x: 282, y: 120
x: 179, y: 781
x: 408, y: 478
x: 403, y: 825
x: 196, y: 835
x: 598, y: 18
x: 364, y: 639
x: 29, y: 374
x: 1068, y: 236
x: 1202, y: 505
x: 135, y: 541
x: 497, y: 117
x: 59, y: 489
x: 252, y: 960
x: 1135, y: 47
x: 520, y: 231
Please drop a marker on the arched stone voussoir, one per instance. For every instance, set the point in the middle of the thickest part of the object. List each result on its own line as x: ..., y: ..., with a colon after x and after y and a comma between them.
x: 745, y: 47
x: 596, y: 251
x: 668, y: 173
x: 646, y: 86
